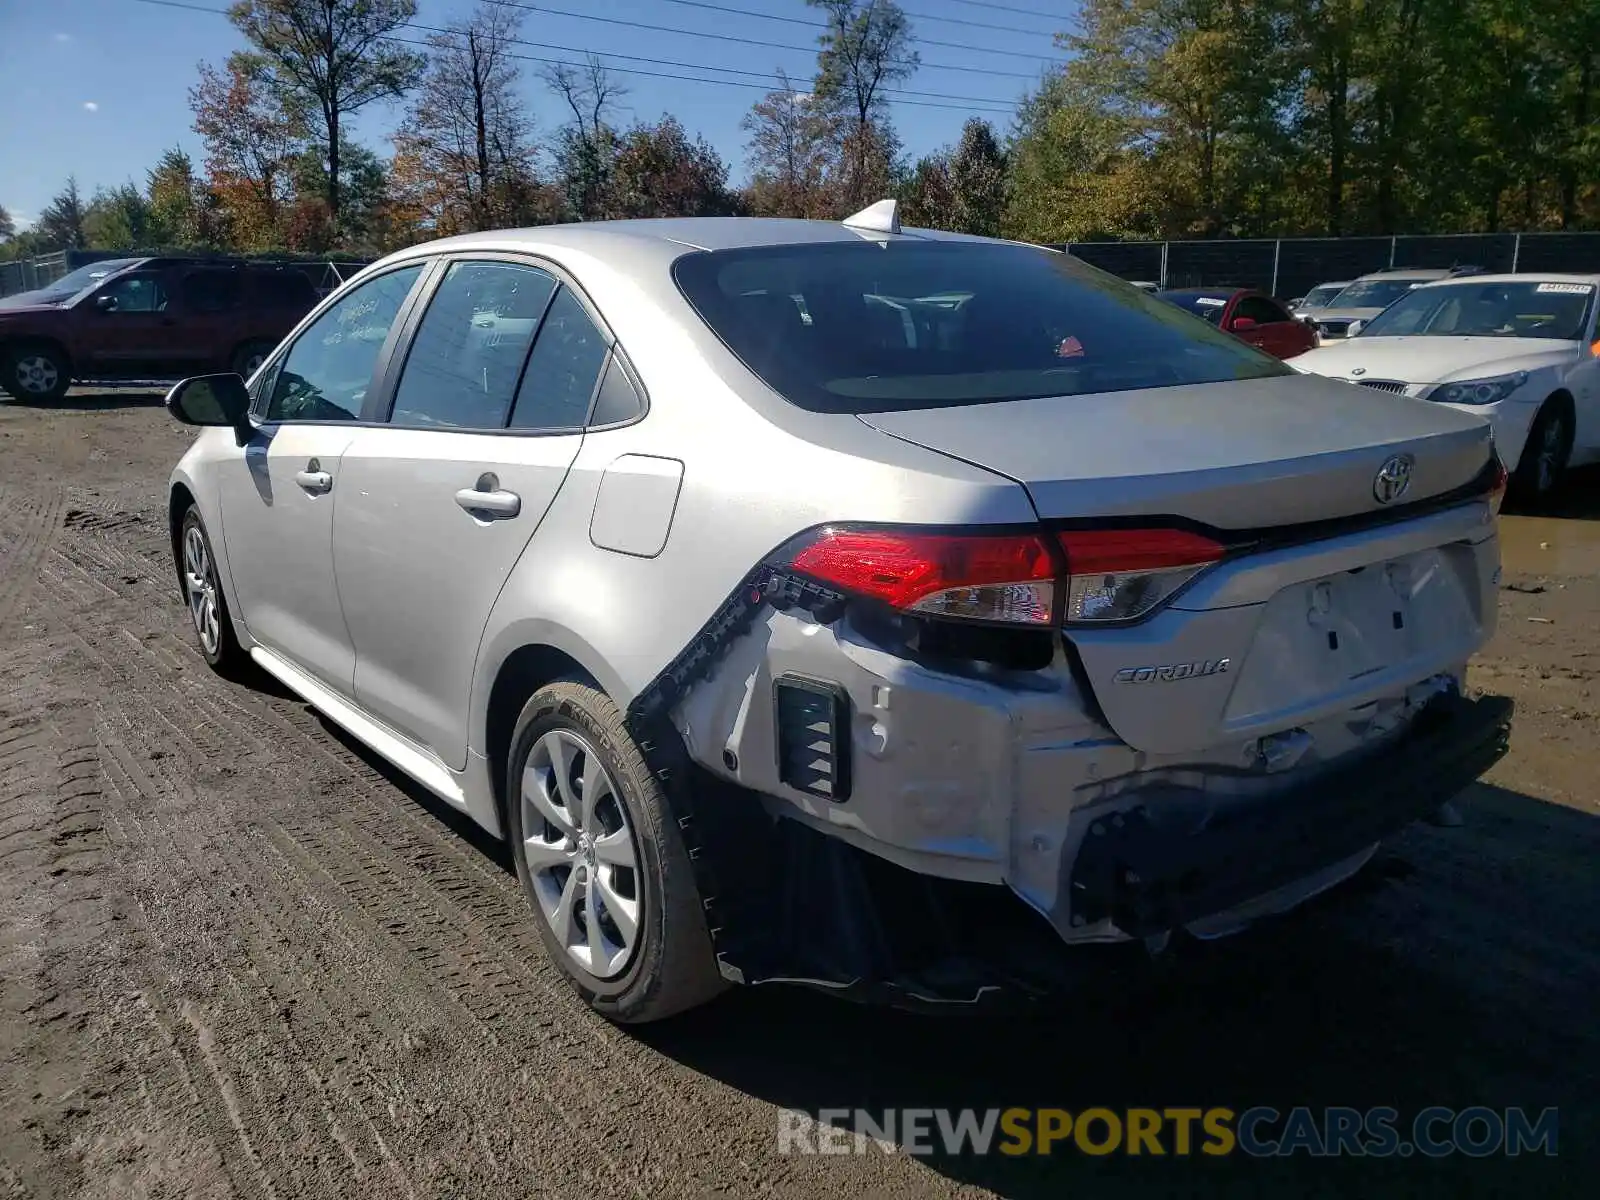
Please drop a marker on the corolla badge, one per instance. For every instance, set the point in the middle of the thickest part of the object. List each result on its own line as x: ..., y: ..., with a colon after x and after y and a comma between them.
x: 1393, y: 478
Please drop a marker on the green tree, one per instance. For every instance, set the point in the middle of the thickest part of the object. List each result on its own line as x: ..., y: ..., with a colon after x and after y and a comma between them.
x: 182, y: 212
x: 586, y: 147
x: 865, y: 48
x: 977, y: 173
x: 118, y: 219
x: 927, y: 199
x: 328, y: 59
x: 8, y: 227
x: 60, y: 223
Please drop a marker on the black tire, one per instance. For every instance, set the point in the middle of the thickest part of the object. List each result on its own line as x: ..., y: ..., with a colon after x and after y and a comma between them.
x: 250, y: 352
x: 672, y: 967
x: 35, y: 372
x: 223, y: 654
x: 1538, y: 475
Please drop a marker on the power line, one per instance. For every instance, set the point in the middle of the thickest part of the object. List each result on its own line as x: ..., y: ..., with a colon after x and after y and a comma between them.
x: 1027, y: 12
x: 768, y: 76
x: 745, y: 12
x: 728, y: 37
x: 760, y: 87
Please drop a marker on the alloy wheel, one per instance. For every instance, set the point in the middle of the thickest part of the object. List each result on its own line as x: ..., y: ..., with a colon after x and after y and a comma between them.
x: 581, y: 853
x: 36, y: 374
x: 200, y: 585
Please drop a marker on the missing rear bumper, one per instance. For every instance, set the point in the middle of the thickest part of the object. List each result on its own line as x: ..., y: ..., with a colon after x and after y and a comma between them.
x: 1181, y: 857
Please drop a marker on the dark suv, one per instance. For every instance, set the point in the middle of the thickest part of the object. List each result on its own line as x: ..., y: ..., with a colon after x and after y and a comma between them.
x: 147, y: 318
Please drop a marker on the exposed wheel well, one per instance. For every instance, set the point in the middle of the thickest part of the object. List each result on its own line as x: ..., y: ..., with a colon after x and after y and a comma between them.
x: 177, y: 504
x: 522, y: 674
x: 9, y: 347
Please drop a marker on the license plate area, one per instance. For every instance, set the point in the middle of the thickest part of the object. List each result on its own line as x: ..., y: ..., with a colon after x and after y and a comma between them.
x: 1325, y: 636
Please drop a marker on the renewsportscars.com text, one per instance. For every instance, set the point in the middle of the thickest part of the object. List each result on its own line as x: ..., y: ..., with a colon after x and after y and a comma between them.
x: 1261, y: 1132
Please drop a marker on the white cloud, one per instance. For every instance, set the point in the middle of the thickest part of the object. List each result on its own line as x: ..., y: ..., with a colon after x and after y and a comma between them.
x: 90, y: 106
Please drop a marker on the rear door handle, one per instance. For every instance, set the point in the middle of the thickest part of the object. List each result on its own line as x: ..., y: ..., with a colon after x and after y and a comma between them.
x: 498, y: 504
x: 315, y: 482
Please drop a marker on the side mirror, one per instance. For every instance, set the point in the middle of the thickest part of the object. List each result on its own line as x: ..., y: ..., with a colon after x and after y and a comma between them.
x: 106, y: 303
x: 1242, y: 324
x: 1354, y: 328
x: 212, y: 400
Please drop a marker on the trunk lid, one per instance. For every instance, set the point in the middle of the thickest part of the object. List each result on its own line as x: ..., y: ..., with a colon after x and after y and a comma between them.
x: 1278, y: 451
x: 1349, y: 620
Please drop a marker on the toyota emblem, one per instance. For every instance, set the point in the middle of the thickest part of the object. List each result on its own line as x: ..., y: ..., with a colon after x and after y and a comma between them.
x: 1393, y: 478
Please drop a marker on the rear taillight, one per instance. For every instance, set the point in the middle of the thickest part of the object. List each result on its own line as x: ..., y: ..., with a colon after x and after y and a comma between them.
x: 1012, y: 579
x: 980, y: 577
x: 1123, y: 574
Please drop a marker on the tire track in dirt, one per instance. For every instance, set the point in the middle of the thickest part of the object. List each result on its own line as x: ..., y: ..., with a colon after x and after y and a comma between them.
x: 429, y: 897
x: 30, y: 519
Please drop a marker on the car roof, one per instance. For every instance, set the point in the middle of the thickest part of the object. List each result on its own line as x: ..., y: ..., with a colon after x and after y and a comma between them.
x: 1410, y: 273
x: 604, y: 238
x: 1520, y: 277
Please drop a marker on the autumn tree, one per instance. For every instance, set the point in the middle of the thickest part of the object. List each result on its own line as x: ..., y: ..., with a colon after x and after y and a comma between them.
x: 927, y: 198
x: 658, y: 171
x: 866, y: 47
x: 465, y: 151
x: 251, y: 139
x: 586, y: 146
x: 328, y: 59
x: 793, y: 152
x: 60, y: 223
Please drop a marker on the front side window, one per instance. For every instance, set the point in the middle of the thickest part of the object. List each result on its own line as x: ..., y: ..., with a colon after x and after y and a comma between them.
x: 326, y: 374
x: 462, y: 369
x: 856, y: 327
x: 1533, y: 309
x: 134, y: 294
x: 563, y: 369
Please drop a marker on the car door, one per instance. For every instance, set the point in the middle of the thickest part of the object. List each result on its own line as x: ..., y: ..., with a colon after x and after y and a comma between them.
x: 131, y: 326
x: 1272, y: 328
x: 211, y: 299
x: 278, y: 498
x: 440, y: 503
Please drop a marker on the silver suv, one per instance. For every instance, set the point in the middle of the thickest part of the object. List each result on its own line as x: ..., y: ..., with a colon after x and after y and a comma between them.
x: 1366, y: 297
x: 847, y: 604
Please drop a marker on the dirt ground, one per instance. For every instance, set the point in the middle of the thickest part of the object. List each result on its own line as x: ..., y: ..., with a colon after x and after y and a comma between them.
x: 238, y: 957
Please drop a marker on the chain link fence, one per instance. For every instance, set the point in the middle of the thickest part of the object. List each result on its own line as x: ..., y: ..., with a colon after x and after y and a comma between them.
x: 1290, y: 267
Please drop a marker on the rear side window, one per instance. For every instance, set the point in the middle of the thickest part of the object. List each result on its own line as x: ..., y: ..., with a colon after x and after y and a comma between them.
x: 563, y: 369
x: 326, y: 374
x: 212, y: 291
x: 465, y: 361
x: 858, y: 327
x: 618, y: 399
x: 283, y: 289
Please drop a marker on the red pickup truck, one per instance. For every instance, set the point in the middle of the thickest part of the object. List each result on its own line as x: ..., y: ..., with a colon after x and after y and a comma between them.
x: 147, y: 318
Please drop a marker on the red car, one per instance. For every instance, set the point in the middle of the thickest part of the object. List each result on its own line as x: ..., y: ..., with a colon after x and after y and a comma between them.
x: 147, y: 318
x: 1250, y: 316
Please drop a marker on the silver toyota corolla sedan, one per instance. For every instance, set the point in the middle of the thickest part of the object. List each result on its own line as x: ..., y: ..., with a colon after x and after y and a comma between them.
x: 882, y: 609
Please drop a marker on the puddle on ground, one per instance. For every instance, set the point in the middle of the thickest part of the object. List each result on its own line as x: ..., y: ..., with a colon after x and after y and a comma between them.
x: 1549, y: 546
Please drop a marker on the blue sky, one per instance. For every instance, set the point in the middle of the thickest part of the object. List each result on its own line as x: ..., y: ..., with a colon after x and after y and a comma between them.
x: 98, y: 88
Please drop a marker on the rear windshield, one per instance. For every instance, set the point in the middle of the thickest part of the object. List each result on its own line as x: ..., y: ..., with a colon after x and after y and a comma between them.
x: 1200, y: 304
x: 859, y: 327
x: 1374, y: 293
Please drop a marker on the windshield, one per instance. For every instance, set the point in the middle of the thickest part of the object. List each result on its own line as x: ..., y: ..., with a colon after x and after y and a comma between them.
x: 858, y: 327
x: 1322, y: 295
x: 1374, y: 293
x: 1209, y: 307
x: 1523, y: 310
x: 73, y: 282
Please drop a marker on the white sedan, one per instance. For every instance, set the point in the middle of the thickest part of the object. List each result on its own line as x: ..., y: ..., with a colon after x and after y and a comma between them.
x: 1520, y: 350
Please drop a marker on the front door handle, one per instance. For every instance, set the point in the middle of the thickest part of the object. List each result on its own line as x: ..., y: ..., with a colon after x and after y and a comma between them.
x: 315, y: 482
x: 496, y: 504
